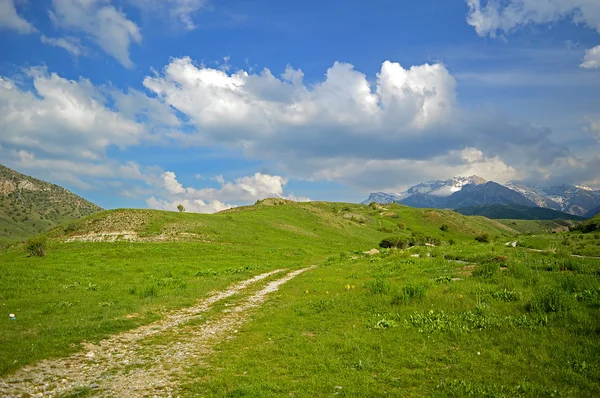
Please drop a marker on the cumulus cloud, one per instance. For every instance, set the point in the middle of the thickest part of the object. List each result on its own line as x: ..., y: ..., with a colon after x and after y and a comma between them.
x: 407, y: 115
x: 397, y: 174
x: 495, y: 18
x: 62, y: 117
x: 259, y: 105
x: 68, y: 43
x: 192, y: 206
x: 592, y: 58
x: 9, y: 19
x: 244, y: 190
x: 101, y: 22
x: 181, y: 11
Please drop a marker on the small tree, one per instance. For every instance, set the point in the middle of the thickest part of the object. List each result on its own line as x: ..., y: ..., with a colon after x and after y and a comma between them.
x: 483, y: 238
x: 180, y: 208
x: 36, y: 246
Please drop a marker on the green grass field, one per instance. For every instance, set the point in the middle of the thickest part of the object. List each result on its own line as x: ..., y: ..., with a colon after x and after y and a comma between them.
x: 462, y: 318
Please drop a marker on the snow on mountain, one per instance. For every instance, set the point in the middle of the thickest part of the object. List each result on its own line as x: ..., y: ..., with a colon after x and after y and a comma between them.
x: 576, y: 200
x: 443, y: 187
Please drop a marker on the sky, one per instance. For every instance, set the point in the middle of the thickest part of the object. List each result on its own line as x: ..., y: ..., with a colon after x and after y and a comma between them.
x: 219, y: 103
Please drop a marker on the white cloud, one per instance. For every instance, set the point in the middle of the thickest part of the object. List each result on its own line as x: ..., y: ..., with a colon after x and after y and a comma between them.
x: 250, y: 188
x: 9, y: 19
x: 69, y: 43
x: 180, y: 10
x: 103, y: 24
x: 407, y: 115
x: 495, y: 17
x: 62, y: 117
x: 245, y: 190
x: 241, y: 106
x: 592, y: 58
x: 594, y: 127
x: 396, y: 175
x: 191, y: 206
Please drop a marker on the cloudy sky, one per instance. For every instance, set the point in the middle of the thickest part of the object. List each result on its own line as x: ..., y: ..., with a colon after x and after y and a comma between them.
x: 213, y: 103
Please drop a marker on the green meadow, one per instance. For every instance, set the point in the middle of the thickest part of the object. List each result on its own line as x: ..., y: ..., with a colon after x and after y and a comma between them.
x: 445, y: 314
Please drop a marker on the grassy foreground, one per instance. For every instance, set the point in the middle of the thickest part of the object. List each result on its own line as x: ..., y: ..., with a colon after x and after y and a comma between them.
x: 395, y: 325
x: 462, y: 318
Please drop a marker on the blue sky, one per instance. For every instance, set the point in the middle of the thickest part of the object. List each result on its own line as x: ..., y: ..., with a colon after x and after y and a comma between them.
x: 213, y: 103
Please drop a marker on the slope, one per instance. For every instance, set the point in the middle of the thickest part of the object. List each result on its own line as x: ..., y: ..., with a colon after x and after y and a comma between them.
x: 29, y: 206
x: 103, y: 268
x: 516, y: 212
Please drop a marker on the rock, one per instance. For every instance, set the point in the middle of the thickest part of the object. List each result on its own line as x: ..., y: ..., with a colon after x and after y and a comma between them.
x: 372, y: 252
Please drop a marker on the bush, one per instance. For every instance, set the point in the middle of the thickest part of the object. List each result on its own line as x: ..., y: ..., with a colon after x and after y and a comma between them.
x: 483, y: 238
x: 445, y: 228
x: 36, y: 246
x: 400, y: 242
x: 550, y: 301
x: 410, y: 292
x: 378, y: 286
x: 487, y: 270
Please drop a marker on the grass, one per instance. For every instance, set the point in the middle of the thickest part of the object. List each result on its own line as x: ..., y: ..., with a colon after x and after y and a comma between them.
x: 462, y: 318
x: 474, y: 336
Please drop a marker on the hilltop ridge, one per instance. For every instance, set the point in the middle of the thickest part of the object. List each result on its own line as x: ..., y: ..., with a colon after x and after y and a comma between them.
x: 29, y: 206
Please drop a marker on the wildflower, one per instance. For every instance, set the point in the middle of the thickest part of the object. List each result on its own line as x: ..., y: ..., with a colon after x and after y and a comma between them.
x: 353, y: 286
x: 347, y: 287
x: 326, y: 291
x: 306, y: 291
x: 431, y: 311
x: 461, y: 296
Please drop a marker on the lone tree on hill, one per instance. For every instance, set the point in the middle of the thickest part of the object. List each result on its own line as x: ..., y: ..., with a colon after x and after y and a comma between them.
x: 180, y: 208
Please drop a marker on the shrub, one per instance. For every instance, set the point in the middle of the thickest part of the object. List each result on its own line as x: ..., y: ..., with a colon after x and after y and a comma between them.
x: 378, y: 286
x: 483, y: 238
x: 410, y: 292
x: 550, y: 301
x: 36, y: 246
x: 487, y: 270
x: 394, y: 241
x: 445, y: 228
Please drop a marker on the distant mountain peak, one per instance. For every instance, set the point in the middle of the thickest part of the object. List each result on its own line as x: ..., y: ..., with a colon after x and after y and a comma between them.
x: 462, y: 191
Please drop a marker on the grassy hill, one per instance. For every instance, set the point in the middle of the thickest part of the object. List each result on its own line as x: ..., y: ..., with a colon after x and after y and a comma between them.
x: 516, y: 212
x: 591, y: 225
x: 29, y: 206
x: 463, y: 318
x: 540, y: 226
x: 277, y: 221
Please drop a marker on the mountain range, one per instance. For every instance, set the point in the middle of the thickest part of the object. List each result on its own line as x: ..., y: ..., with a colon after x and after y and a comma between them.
x: 29, y: 206
x: 459, y: 192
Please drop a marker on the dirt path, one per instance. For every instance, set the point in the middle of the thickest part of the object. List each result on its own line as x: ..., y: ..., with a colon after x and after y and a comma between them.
x: 130, y: 364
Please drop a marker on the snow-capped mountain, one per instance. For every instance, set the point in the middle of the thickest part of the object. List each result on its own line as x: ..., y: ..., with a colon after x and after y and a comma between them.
x: 439, y: 188
x: 576, y: 200
x: 443, y: 188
